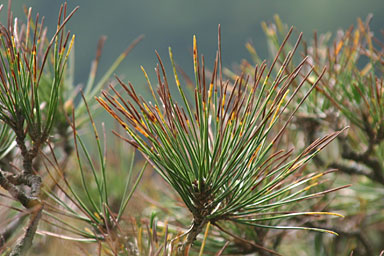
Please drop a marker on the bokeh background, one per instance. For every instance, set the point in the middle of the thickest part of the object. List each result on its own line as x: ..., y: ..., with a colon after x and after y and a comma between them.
x: 173, y: 23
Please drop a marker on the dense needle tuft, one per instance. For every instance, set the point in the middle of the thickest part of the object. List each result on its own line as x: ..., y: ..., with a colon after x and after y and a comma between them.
x: 220, y: 150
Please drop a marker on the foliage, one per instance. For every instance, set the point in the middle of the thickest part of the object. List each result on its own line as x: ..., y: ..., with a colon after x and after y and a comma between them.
x: 222, y: 156
x: 236, y: 155
x: 349, y: 93
x: 34, y: 112
x: 22, y: 108
x: 89, y: 207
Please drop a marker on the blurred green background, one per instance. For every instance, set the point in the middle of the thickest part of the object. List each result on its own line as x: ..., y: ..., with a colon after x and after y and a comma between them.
x: 173, y: 22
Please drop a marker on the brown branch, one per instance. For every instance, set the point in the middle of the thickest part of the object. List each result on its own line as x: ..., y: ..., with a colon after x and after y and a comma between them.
x: 195, y: 230
x: 377, y: 172
x: 351, y: 170
x: 15, y: 192
x: 254, y: 246
x: 11, y: 228
x: 26, y: 242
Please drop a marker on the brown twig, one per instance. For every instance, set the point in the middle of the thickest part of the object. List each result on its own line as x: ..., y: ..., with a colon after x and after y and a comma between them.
x: 11, y: 228
x: 376, y: 170
x: 26, y: 242
x: 255, y: 246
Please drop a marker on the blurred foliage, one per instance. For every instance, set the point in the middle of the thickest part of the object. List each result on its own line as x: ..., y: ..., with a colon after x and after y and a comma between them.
x: 349, y: 93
